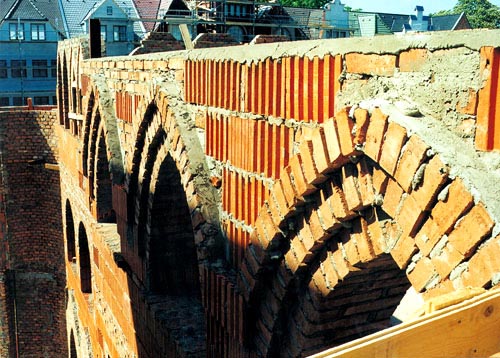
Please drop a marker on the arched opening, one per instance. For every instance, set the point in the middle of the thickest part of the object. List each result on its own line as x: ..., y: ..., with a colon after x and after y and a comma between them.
x: 70, y: 233
x: 134, y: 176
x: 105, y: 212
x: 173, y: 265
x: 72, y: 346
x: 84, y: 257
x: 151, y: 156
x: 362, y: 303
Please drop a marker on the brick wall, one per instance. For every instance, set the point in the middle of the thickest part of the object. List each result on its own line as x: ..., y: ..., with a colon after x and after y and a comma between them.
x: 319, y: 181
x: 158, y: 42
x: 33, y: 278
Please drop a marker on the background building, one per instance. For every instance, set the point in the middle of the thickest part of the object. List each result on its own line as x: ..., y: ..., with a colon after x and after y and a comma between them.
x: 29, y: 33
x: 371, y: 23
x: 120, y: 28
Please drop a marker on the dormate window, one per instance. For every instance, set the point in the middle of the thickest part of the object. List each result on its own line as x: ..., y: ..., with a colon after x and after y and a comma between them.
x: 37, y: 32
x: 16, y: 31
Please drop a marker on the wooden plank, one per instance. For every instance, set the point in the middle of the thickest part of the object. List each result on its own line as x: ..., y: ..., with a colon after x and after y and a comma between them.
x: 186, y: 37
x: 468, y: 329
x: 451, y: 298
x: 50, y: 166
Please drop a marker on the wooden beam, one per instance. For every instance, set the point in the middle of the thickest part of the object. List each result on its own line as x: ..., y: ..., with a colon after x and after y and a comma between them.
x: 468, y: 329
x: 186, y: 37
x: 52, y: 166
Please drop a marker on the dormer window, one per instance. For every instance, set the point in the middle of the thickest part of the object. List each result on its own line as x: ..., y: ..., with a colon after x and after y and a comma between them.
x: 16, y: 31
x: 109, y: 10
x: 37, y: 32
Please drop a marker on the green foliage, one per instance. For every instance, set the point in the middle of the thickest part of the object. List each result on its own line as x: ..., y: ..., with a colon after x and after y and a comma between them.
x: 481, y: 13
x: 312, y: 4
x: 350, y: 9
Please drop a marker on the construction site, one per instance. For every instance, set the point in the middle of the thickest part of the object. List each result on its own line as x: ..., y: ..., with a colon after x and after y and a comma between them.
x: 323, y: 198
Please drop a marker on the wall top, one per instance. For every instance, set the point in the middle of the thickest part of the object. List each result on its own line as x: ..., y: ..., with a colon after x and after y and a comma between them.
x: 388, y: 44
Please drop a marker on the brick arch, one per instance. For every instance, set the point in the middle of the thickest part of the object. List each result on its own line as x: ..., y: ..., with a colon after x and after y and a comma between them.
x: 167, y: 217
x: 63, y: 90
x: 358, y: 190
x: 140, y: 143
x: 96, y: 127
x: 146, y: 191
x: 89, y: 115
x: 361, y: 303
x: 92, y: 150
x: 172, y: 260
x: 103, y: 185
x: 103, y: 116
x: 148, y: 137
x: 165, y: 131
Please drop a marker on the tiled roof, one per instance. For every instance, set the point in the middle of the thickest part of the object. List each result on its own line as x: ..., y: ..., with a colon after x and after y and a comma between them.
x: 308, y: 19
x: 6, y: 7
x: 130, y: 8
x: 304, y: 16
x: 76, y: 11
x: 385, y: 23
x: 148, y: 9
x: 445, y: 22
x: 395, y: 22
x: 25, y: 10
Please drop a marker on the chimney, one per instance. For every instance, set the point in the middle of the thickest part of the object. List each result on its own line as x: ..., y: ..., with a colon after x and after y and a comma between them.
x: 419, y: 12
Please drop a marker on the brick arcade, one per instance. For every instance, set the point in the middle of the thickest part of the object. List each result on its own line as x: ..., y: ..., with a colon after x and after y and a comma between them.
x: 253, y: 201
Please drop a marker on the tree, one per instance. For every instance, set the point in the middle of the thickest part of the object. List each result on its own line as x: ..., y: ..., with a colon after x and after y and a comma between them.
x: 312, y: 4
x: 481, y: 13
x: 350, y: 9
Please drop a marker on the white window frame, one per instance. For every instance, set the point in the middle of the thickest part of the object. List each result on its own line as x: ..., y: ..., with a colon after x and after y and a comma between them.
x: 38, y: 32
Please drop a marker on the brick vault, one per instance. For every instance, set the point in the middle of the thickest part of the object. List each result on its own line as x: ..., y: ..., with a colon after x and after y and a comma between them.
x: 271, y: 200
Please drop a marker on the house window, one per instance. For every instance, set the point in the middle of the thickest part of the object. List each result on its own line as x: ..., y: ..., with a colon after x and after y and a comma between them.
x: 18, y: 101
x: 16, y: 31
x: 103, y: 32
x: 54, y: 100
x: 109, y: 10
x: 53, y: 68
x: 40, y: 68
x: 119, y: 33
x: 4, y: 101
x: 18, y: 68
x: 41, y: 100
x: 37, y: 32
x: 3, y: 68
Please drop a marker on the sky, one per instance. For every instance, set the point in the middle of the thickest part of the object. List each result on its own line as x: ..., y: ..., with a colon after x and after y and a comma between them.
x: 404, y: 6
